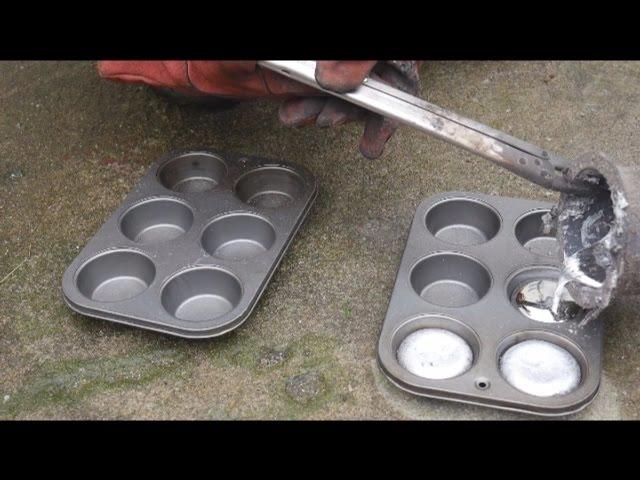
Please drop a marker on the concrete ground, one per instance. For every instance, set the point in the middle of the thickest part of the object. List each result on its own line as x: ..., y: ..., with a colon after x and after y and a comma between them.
x: 72, y: 146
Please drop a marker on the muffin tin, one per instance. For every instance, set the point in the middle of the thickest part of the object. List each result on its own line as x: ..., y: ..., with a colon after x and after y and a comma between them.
x: 193, y: 245
x: 468, y: 258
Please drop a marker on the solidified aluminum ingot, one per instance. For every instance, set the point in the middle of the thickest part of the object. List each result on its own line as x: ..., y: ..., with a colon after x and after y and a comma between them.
x: 435, y: 353
x: 540, y: 368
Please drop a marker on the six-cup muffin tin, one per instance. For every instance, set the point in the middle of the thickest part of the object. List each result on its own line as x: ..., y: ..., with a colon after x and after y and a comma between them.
x: 193, y: 246
x: 465, y: 321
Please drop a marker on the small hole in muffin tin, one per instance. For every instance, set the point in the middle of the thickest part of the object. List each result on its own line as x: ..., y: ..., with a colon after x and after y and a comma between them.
x: 482, y: 383
x: 450, y: 280
x: 462, y: 221
x: 192, y: 172
x: 269, y: 187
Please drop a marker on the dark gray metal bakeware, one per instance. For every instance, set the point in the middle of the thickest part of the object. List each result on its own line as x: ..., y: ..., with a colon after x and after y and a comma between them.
x: 193, y: 245
x: 466, y: 259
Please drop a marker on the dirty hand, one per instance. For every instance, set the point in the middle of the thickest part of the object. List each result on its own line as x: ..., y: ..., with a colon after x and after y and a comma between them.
x: 302, y: 105
x: 344, y: 76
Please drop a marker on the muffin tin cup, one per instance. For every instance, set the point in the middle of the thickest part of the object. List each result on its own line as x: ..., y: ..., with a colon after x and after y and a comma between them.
x: 448, y: 282
x: 185, y: 254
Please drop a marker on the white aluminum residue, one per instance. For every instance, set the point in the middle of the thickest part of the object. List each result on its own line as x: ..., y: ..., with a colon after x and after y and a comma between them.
x: 435, y: 353
x: 540, y: 368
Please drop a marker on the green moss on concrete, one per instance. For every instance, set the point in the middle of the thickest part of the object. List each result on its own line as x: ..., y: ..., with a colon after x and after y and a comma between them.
x: 347, y: 310
x: 275, y: 368
x: 70, y: 381
x: 312, y: 357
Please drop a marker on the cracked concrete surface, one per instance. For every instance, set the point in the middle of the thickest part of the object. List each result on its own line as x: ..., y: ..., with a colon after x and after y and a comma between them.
x: 72, y: 145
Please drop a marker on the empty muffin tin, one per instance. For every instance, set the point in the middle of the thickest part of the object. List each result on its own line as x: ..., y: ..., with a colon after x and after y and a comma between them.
x: 456, y: 303
x: 193, y: 245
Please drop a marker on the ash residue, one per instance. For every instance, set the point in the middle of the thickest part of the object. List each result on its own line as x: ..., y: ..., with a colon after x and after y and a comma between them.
x: 549, y: 222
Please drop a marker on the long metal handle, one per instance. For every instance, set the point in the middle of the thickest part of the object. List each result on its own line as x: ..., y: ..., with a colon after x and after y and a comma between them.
x: 517, y: 156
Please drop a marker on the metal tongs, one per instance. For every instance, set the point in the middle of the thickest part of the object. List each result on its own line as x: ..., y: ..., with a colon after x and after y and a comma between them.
x: 524, y: 159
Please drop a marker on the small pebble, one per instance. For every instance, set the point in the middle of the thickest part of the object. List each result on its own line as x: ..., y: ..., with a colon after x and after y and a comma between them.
x: 16, y: 174
x: 271, y: 358
x: 303, y: 388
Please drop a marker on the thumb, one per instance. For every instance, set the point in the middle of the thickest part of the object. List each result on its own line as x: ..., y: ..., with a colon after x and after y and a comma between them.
x: 377, y: 132
x: 342, y: 76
